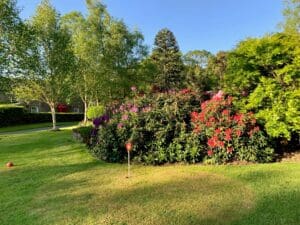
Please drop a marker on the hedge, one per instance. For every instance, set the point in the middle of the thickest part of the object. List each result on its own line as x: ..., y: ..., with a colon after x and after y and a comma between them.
x: 17, y: 115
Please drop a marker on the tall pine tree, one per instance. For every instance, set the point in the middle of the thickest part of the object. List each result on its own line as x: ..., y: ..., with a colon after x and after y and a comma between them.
x: 167, y: 57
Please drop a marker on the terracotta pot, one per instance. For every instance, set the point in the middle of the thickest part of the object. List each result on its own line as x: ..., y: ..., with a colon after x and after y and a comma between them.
x: 128, y: 146
x: 9, y: 164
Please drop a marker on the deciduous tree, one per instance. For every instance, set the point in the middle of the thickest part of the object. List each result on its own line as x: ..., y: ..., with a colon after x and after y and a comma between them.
x: 197, y: 76
x: 49, y: 80
x: 291, y: 14
x: 107, y: 55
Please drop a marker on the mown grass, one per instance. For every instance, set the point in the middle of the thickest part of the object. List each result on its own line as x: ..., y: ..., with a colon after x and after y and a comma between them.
x: 33, y: 126
x: 10, y: 105
x: 56, y: 181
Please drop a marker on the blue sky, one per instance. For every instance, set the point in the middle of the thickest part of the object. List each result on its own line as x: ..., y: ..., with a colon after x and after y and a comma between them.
x: 197, y: 24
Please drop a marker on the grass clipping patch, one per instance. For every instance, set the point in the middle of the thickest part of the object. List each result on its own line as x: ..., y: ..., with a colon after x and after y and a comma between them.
x: 154, y: 195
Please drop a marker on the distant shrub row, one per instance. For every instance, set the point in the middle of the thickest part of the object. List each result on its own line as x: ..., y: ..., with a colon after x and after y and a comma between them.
x: 17, y: 115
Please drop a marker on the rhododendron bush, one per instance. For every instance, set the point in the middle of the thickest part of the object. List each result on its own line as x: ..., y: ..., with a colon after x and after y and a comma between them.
x: 229, y: 135
x: 158, y: 125
x: 176, y: 126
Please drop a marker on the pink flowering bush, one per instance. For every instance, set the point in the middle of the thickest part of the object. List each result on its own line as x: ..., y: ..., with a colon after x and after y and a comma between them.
x: 158, y: 125
x: 229, y: 135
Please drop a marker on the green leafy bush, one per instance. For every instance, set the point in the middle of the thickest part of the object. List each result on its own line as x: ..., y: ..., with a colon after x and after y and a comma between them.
x: 264, y: 74
x: 95, y: 112
x: 111, y: 144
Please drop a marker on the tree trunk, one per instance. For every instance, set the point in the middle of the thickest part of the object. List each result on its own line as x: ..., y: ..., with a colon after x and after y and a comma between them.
x: 85, y: 111
x: 53, y: 113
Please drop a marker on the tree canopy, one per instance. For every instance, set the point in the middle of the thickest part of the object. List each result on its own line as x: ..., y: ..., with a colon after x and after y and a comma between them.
x: 291, y: 14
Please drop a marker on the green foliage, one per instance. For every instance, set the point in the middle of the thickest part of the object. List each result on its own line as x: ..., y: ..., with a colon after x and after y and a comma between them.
x: 216, y: 69
x: 15, y: 41
x: 5, y: 86
x: 292, y: 16
x: 278, y: 108
x: 167, y: 57
x: 269, y: 69
x: 197, y: 74
x: 95, y: 111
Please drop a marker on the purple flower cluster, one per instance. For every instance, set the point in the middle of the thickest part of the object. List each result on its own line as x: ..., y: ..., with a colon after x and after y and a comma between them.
x: 100, y: 120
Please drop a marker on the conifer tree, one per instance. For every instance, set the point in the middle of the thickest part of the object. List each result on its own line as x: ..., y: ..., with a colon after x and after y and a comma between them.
x: 167, y: 57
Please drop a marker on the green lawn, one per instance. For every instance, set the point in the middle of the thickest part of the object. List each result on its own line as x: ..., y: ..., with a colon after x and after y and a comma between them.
x: 10, y: 105
x: 56, y: 181
x: 34, y: 126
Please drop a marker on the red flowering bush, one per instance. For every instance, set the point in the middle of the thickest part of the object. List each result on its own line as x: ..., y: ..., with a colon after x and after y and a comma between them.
x: 229, y: 135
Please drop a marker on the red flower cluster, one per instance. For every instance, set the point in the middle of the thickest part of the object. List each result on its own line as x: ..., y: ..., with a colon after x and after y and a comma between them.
x: 228, y: 133
x: 210, y: 152
x: 218, y: 131
x: 225, y: 112
x: 195, y: 116
x: 253, y: 131
x: 222, y: 127
x: 238, y: 133
x: 214, y: 142
x: 238, y: 118
x: 229, y: 150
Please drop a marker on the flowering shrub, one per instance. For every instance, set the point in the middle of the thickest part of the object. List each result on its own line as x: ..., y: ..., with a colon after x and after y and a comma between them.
x: 158, y: 125
x: 229, y: 135
x: 170, y: 127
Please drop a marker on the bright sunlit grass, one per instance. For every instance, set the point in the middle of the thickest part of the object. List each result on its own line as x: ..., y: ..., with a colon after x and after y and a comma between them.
x: 34, y: 126
x: 56, y: 181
